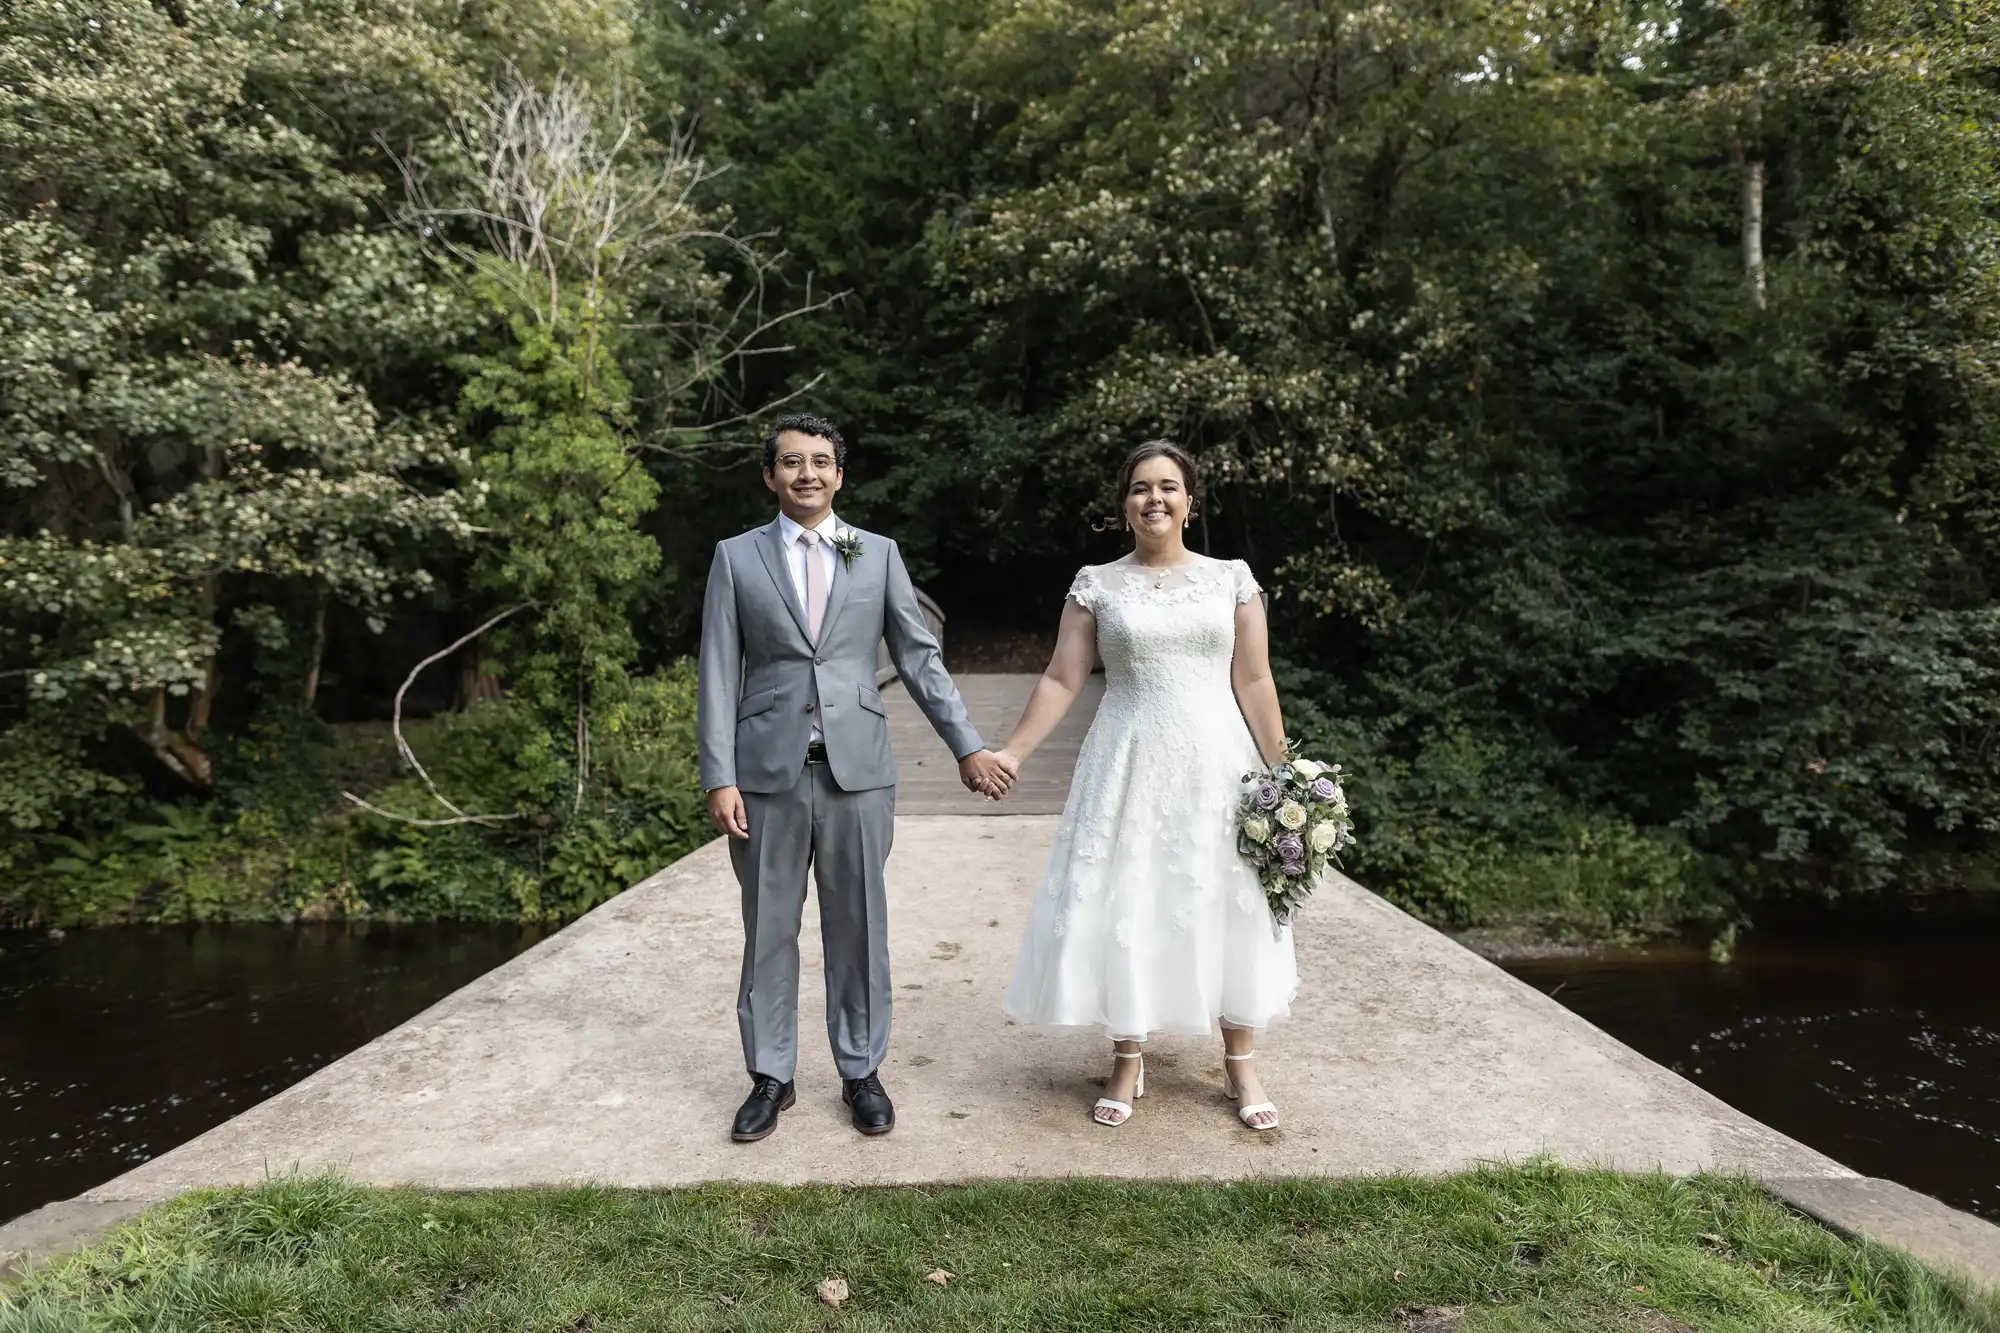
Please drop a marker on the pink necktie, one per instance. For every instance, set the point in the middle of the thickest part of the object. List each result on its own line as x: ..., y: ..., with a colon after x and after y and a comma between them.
x: 815, y: 583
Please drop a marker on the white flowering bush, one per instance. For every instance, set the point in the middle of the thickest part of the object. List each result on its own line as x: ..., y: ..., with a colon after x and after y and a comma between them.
x: 193, y: 281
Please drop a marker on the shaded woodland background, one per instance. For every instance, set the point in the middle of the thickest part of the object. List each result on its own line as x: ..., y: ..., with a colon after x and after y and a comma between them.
x: 1605, y: 391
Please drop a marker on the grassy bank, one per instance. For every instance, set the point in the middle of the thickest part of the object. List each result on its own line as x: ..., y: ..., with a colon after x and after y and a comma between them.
x: 1451, y: 829
x: 1530, y: 1248
x: 279, y: 840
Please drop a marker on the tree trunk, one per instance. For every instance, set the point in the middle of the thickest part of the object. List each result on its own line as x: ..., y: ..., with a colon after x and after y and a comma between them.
x: 118, y: 479
x: 318, y: 651
x: 1752, y: 171
x: 202, y: 705
x: 210, y: 600
x: 177, y: 753
x: 475, y: 684
x: 180, y: 751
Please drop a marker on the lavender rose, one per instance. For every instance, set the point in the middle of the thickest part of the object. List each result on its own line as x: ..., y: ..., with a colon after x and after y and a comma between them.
x: 1290, y: 847
x: 1293, y: 867
x: 1323, y: 790
x: 1268, y: 796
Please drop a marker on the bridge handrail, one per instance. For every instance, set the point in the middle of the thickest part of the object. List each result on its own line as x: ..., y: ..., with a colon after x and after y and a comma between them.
x: 885, y: 670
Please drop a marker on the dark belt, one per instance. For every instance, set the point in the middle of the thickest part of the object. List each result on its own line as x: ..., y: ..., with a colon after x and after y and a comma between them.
x: 815, y: 752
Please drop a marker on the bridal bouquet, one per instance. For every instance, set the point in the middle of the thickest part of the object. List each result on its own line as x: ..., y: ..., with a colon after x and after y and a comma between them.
x: 1292, y: 820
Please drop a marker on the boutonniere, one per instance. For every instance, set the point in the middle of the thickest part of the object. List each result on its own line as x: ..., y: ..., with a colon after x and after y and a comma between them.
x: 848, y: 542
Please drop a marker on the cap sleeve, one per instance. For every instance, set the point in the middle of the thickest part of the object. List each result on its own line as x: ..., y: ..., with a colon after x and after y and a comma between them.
x: 1246, y: 582
x: 1085, y: 590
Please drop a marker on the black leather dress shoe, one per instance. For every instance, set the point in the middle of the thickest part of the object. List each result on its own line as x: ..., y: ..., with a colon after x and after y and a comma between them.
x: 759, y: 1114
x: 874, y: 1113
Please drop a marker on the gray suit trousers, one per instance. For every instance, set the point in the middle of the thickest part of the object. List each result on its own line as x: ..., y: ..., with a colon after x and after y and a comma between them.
x: 844, y: 837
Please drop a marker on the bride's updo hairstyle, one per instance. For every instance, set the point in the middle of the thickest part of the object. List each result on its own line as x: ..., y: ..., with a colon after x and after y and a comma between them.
x: 1173, y: 453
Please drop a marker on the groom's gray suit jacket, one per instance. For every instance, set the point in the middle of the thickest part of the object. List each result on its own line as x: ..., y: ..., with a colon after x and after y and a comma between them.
x: 763, y: 678
x: 763, y: 681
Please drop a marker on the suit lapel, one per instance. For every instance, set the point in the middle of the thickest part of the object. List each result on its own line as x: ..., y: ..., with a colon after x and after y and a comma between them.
x: 836, y: 592
x: 772, y: 548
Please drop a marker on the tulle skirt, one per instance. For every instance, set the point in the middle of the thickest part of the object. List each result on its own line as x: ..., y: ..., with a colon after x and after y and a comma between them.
x: 1147, y: 919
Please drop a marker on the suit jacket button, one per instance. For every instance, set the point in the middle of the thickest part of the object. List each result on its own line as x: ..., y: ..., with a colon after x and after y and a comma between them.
x: 819, y: 661
x: 809, y: 708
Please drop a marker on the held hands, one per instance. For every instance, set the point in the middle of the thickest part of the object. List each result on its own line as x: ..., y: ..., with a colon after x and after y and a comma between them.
x: 985, y: 773
x: 1010, y: 763
x: 988, y: 774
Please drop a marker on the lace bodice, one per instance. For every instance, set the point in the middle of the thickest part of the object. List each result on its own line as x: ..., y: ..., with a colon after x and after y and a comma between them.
x: 1169, y: 633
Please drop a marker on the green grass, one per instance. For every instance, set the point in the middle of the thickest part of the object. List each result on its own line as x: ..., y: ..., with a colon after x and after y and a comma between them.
x: 1499, y: 1251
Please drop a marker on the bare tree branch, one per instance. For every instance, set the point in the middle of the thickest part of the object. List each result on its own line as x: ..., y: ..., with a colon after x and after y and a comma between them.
x: 743, y: 418
x: 566, y: 191
x: 582, y: 757
x: 410, y: 756
x: 483, y: 820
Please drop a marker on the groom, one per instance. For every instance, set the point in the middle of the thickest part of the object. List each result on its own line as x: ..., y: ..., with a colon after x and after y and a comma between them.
x: 795, y: 760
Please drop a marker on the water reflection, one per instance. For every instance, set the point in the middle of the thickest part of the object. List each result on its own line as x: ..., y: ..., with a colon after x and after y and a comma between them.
x: 120, y: 1044
x: 1872, y: 1034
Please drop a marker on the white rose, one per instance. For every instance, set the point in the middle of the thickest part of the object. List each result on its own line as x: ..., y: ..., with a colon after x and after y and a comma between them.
x: 1306, y: 769
x: 1292, y: 815
x: 1323, y: 837
x: 1257, y: 828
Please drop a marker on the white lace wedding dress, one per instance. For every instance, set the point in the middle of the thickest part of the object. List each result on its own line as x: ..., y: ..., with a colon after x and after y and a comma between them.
x: 1147, y: 920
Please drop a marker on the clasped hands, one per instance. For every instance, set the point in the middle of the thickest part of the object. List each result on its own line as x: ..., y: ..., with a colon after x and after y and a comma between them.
x: 989, y: 774
x: 983, y: 772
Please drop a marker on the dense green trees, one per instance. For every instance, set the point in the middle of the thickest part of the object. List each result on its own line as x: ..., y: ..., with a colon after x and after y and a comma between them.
x: 189, y: 283
x: 1605, y: 389
x: 1606, y: 392
x: 309, y: 315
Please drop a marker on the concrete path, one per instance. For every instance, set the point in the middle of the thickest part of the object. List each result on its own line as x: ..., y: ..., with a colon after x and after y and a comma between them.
x: 608, y: 1053
x: 928, y: 777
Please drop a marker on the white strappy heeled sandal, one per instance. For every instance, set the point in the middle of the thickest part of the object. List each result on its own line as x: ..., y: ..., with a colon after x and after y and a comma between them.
x: 1124, y: 1109
x: 1247, y: 1114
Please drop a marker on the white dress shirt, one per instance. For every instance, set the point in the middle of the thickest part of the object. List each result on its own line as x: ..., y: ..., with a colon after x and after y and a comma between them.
x: 795, y: 565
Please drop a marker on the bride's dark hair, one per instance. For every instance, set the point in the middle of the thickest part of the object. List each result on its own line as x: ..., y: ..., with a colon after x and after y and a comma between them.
x: 1173, y: 453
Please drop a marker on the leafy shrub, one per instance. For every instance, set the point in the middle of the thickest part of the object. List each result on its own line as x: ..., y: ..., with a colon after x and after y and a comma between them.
x: 184, y: 861
x: 277, y: 843
x: 281, y: 766
x: 1463, y: 833
x: 560, y: 852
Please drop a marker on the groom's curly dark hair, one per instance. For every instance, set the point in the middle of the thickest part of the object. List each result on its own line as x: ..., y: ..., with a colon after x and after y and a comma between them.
x: 805, y: 423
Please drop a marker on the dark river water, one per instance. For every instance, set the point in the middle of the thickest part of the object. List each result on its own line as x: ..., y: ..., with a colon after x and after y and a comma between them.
x: 118, y: 1044
x: 1873, y: 1036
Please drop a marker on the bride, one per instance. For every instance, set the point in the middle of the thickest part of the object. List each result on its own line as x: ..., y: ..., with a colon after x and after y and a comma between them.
x: 1148, y: 920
